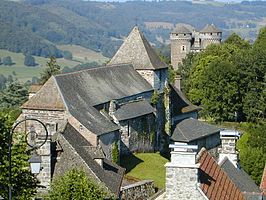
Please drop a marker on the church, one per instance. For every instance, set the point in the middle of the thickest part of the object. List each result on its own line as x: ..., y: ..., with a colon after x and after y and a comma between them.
x: 127, y: 104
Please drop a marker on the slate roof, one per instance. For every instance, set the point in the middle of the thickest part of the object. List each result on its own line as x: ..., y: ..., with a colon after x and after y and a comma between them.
x: 111, y: 174
x: 34, y: 88
x: 84, y: 89
x: 181, y: 29
x: 100, y: 85
x: 241, y: 179
x: 47, y: 98
x: 210, y: 28
x: 186, y: 106
x: 215, y: 183
x: 137, y: 50
x: 191, y: 129
x: 133, y: 110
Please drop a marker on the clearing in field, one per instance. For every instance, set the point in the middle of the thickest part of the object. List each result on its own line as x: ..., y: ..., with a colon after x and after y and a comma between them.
x: 23, y: 73
x: 84, y: 55
x: 146, y: 166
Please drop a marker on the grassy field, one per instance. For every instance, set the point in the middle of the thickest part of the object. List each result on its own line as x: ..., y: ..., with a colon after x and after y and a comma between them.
x: 82, y: 54
x: 24, y: 73
x: 146, y: 166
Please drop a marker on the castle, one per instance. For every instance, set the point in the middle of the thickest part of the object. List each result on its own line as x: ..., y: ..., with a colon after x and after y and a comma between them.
x: 185, y: 40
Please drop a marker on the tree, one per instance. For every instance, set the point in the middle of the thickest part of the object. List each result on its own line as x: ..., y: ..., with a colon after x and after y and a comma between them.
x: 7, y: 61
x: 23, y: 182
x: 67, y: 55
x: 52, y: 69
x: 74, y: 184
x: 252, y: 150
x: 13, y: 96
x: 29, y: 61
x: 0, y: 61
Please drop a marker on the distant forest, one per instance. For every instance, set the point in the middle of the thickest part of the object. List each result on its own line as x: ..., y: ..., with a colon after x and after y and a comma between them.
x: 35, y: 27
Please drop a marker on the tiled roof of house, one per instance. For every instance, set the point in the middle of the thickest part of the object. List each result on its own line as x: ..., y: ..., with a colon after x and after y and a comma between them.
x: 137, y: 51
x: 263, y: 182
x: 210, y: 28
x: 181, y: 29
x: 133, y: 109
x: 110, y: 174
x: 215, y: 183
x: 239, y: 177
x: 192, y: 129
x: 47, y: 98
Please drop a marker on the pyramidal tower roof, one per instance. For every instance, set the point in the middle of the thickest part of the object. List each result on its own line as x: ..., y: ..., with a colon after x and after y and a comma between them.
x: 137, y: 51
x: 210, y: 29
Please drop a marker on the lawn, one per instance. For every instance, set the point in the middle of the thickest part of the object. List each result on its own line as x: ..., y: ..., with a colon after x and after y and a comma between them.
x: 146, y: 166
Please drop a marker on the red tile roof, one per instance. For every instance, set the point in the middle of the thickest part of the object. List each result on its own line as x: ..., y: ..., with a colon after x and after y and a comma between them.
x: 214, y: 181
x: 263, y: 182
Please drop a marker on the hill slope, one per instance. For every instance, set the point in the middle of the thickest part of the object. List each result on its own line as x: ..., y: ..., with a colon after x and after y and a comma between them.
x: 101, y: 26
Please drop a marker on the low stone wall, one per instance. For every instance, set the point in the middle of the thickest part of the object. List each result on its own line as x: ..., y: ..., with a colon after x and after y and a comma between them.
x: 139, y: 190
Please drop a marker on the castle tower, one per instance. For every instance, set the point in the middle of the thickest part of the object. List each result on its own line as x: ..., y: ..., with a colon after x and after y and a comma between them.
x: 136, y: 50
x: 181, y: 41
x: 210, y: 34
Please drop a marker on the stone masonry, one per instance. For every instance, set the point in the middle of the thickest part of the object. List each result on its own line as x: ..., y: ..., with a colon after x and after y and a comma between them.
x: 182, y: 176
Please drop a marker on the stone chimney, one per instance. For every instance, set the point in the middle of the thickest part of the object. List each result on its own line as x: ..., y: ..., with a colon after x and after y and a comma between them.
x: 182, y: 173
x: 228, y: 149
x: 112, y: 109
x: 178, y: 82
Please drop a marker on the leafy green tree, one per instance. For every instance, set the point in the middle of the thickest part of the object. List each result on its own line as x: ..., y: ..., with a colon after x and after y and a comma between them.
x: 74, y: 184
x: 23, y: 182
x: 29, y: 61
x: 52, y: 69
x: 13, y: 96
x: 260, y: 42
x: 7, y: 61
x: 252, y: 150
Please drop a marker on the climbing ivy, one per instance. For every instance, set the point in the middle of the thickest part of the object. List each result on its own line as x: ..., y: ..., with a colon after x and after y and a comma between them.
x: 115, y: 153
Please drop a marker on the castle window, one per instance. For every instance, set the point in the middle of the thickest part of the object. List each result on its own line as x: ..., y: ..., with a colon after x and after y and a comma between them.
x: 211, y: 33
x: 185, y: 34
x: 183, y: 48
x: 176, y: 34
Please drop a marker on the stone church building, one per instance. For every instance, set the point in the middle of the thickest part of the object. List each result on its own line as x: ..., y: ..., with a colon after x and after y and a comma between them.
x: 128, y: 103
x: 185, y: 40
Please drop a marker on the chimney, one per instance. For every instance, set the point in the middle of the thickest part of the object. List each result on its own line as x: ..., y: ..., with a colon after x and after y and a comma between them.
x: 112, y: 109
x: 182, y: 173
x: 228, y: 149
x: 178, y: 82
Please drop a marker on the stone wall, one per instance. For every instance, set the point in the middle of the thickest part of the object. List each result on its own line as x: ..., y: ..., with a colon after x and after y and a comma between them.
x: 137, y: 135
x: 208, y: 142
x: 53, y: 120
x: 181, y: 184
x: 140, y: 190
x: 91, y: 137
x: 179, y: 49
x: 160, y: 79
x: 106, y: 141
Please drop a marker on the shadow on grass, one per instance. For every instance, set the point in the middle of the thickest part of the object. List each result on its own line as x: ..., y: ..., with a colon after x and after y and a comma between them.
x: 130, y: 162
